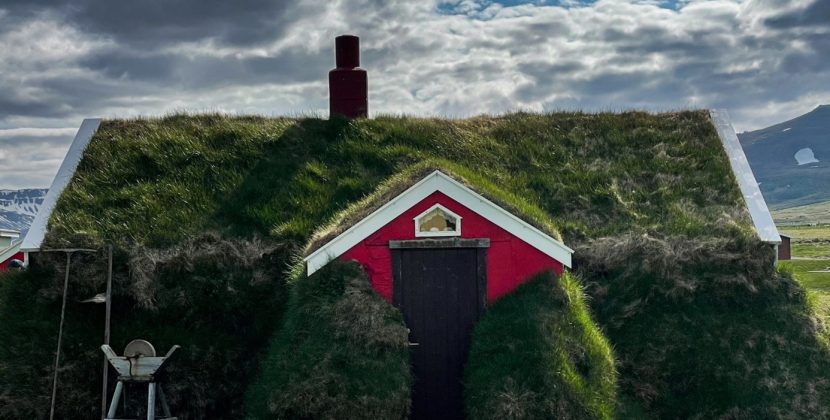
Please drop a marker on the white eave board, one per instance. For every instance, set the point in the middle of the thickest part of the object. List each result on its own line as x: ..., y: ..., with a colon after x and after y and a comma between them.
x: 9, y: 252
x: 438, y: 181
x: 758, y: 210
x: 37, y: 231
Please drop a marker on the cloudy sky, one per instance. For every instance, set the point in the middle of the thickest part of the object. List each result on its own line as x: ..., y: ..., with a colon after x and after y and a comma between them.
x: 764, y: 60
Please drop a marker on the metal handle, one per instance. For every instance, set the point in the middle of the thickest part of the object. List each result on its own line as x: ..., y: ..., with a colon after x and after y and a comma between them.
x: 411, y: 344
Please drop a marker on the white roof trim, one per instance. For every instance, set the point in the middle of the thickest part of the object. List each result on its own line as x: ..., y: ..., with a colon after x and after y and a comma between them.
x: 37, y: 231
x: 437, y: 181
x: 761, y: 217
x: 9, y: 252
x: 8, y: 233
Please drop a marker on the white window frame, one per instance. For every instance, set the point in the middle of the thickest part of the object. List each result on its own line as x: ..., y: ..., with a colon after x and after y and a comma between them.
x: 417, y: 220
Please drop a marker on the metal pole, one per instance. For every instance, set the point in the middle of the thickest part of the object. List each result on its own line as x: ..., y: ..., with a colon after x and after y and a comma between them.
x: 60, y: 337
x: 151, y: 401
x: 107, y: 331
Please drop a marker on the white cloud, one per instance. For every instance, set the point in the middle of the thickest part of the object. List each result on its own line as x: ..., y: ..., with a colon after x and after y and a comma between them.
x: 36, y: 132
x: 44, y: 40
x: 469, y: 57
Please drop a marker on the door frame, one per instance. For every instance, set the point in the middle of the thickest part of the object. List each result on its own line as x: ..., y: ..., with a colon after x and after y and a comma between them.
x: 479, y: 244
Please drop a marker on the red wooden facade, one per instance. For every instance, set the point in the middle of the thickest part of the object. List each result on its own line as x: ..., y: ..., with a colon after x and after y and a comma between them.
x: 510, y: 261
x: 4, y: 265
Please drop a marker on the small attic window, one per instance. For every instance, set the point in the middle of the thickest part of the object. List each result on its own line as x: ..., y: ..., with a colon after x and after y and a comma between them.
x: 437, y: 221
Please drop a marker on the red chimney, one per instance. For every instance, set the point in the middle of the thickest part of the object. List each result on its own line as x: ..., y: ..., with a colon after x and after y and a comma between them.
x: 348, y: 85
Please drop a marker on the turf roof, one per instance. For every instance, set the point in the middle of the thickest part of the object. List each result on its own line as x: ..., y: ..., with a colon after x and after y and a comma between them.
x: 401, y: 181
x: 158, y: 181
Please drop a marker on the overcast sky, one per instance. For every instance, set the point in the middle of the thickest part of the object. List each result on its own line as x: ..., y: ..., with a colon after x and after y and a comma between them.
x: 764, y: 60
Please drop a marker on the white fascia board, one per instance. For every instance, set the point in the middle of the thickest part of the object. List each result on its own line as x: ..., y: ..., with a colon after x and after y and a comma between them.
x: 37, y: 231
x: 758, y: 210
x: 8, y: 233
x: 9, y: 252
x: 437, y: 181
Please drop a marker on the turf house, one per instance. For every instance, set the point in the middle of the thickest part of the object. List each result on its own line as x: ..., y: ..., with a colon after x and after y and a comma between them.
x: 521, y: 266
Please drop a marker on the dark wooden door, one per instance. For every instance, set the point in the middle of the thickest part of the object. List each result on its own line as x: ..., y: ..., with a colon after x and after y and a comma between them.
x: 441, y: 294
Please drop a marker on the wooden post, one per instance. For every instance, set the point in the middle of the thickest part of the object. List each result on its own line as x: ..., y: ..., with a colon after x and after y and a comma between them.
x: 60, y: 337
x: 107, y: 331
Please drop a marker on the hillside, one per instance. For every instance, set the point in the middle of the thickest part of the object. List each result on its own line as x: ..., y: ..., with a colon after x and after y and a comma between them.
x: 791, y: 160
x: 19, y: 207
x: 817, y: 213
x: 207, y: 212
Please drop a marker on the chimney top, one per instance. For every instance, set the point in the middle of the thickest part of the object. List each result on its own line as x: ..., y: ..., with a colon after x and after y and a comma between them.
x: 348, y: 83
x: 347, y: 51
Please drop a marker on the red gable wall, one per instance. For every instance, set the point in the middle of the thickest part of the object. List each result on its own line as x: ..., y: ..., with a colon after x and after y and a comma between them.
x: 510, y: 261
x: 4, y: 265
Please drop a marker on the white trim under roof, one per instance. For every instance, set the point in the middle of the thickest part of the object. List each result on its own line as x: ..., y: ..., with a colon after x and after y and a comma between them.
x: 8, y: 233
x: 437, y: 181
x: 9, y: 252
x: 37, y: 231
x: 761, y: 217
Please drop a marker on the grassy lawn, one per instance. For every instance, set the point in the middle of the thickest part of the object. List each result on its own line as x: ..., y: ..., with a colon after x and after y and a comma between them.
x: 811, y: 242
x: 808, y: 250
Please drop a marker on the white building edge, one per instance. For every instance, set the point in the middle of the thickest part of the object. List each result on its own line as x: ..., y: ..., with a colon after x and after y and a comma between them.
x: 755, y: 203
x: 37, y: 231
x: 757, y: 206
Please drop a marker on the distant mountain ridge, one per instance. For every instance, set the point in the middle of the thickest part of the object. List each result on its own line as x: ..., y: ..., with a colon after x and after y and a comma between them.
x: 19, y: 207
x: 791, y: 160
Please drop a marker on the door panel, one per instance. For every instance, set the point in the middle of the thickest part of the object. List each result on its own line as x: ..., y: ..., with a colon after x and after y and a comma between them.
x: 441, y: 294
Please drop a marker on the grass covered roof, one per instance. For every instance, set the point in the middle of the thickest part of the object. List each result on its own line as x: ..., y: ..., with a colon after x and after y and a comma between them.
x: 157, y: 181
x: 701, y: 324
x: 401, y: 181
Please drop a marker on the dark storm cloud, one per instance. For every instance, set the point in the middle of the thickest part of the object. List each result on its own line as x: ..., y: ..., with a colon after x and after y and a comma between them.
x: 614, y: 83
x: 60, y: 96
x: 154, y: 22
x: 815, y: 14
x: 546, y: 77
x: 30, y: 161
x: 171, y: 70
x: 11, y: 104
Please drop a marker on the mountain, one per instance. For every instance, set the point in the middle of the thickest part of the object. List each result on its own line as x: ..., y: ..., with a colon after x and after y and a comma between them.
x: 791, y: 160
x: 19, y: 207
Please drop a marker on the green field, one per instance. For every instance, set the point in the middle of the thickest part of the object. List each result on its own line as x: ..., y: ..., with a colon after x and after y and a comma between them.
x: 803, y: 215
x: 811, y: 252
x: 809, y: 241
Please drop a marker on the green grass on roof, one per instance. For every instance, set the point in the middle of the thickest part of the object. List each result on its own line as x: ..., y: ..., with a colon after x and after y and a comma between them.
x: 700, y: 326
x: 157, y: 181
x: 537, y: 354
x: 400, y: 182
x: 341, y: 354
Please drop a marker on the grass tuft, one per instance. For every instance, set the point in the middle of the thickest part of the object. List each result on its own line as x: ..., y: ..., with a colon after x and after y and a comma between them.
x: 342, y: 353
x: 707, y: 328
x: 537, y: 354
